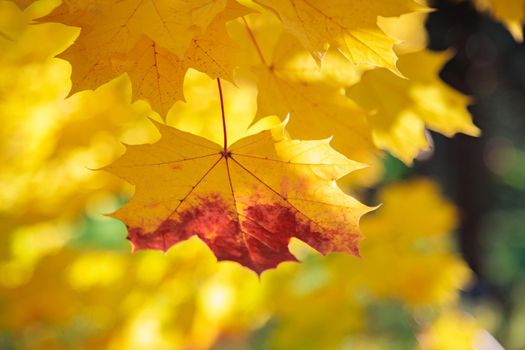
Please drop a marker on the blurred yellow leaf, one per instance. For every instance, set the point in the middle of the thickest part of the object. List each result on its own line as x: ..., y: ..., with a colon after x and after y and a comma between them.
x: 410, y: 234
x: 452, y: 330
x: 48, y: 142
x: 401, y: 109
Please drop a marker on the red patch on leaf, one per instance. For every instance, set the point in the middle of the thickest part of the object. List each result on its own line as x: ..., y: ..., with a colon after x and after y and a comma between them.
x: 258, y: 238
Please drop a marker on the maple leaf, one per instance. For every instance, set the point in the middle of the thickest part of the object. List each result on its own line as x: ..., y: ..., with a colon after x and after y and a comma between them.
x: 116, y: 25
x: 290, y: 82
x: 157, y: 74
x: 318, y: 109
x: 403, y: 108
x: 213, y: 52
x: 350, y: 26
x: 154, y: 41
x: 245, y: 201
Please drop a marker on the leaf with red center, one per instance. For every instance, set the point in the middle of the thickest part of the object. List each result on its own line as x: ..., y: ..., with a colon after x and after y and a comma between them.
x: 245, y: 201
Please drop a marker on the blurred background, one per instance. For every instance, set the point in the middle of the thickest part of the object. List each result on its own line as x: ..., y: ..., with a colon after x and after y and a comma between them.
x: 443, y: 264
x: 485, y: 176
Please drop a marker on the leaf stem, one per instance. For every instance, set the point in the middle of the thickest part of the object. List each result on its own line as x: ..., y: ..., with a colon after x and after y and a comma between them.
x: 254, y: 41
x: 223, y: 116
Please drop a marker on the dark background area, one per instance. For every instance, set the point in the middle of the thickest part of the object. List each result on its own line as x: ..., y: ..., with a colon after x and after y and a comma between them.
x: 485, y: 176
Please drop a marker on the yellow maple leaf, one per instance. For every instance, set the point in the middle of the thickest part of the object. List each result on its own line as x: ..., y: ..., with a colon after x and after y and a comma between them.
x: 316, y: 109
x: 245, y: 201
x: 213, y: 52
x: 116, y: 25
x: 290, y: 82
x: 350, y: 26
x: 157, y: 74
x: 403, y: 108
x: 155, y: 42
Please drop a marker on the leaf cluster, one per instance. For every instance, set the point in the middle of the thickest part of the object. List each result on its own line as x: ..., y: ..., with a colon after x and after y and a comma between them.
x: 328, y: 70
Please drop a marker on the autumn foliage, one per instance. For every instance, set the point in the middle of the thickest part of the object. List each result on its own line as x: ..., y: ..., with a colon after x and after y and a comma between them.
x: 249, y: 124
x: 247, y: 199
